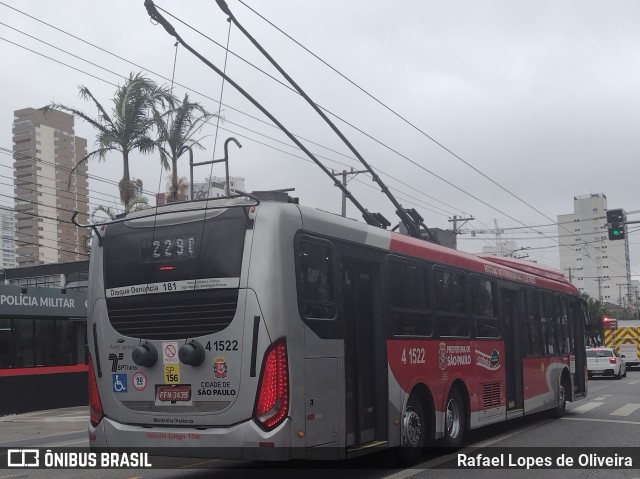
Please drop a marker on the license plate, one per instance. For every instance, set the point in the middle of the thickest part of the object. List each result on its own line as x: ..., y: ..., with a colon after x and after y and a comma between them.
x: 174, y: 393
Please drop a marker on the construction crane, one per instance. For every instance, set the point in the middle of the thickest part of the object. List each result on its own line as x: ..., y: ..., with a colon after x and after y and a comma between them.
x: 495, y: 231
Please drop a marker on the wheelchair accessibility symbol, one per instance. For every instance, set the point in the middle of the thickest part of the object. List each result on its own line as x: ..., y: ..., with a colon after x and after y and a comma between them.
x: 119, y: 382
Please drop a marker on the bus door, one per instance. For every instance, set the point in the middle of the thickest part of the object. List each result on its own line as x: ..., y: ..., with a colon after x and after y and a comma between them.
x: 512, y: 350
x: 365, y: 409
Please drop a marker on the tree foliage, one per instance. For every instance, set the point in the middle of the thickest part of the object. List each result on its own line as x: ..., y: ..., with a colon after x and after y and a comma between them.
x: 127, y: 127
x: 137, y: 203
x: 177, y: 128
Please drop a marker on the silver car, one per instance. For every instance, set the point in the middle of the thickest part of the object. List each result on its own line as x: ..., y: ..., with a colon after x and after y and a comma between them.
x: 605, y: 362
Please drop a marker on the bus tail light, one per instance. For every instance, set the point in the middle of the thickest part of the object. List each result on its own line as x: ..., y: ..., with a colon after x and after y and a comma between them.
x: 272, y: 400
x: 95, y: 405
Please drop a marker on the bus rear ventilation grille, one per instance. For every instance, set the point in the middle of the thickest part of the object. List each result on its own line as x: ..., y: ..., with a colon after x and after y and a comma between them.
x: 185, y: 316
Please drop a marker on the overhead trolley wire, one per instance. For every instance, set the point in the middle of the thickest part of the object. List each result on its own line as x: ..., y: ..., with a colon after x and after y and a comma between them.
x: 387, y: 146
x: 398, y: 115
x: 208, y: 122
x: 187, y: 88
x: 353, y: 126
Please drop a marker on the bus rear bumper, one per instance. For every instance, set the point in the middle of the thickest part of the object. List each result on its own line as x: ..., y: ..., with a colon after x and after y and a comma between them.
x: 241, y: 441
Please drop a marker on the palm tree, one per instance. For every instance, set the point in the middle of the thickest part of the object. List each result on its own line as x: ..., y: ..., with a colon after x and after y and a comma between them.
x: 176, y: 129
x: 180, y: 191
x: 129, y: 125
x: 136, y: 203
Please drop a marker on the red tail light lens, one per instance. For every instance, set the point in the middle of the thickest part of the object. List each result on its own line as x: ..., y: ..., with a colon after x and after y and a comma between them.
x: 612, y: 360
x: 272, y: 400
x: 95, y: 405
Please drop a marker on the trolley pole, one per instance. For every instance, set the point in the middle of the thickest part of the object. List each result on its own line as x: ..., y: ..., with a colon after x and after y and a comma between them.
x: 344, y: 183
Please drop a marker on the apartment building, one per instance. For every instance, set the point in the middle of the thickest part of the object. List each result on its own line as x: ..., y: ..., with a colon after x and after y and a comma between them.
x: 45, y: 149
x: 596, y: 265
x: 7, y: 238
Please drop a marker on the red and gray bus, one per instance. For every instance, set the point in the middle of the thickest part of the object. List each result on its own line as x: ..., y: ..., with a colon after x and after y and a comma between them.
x: 269, y: 330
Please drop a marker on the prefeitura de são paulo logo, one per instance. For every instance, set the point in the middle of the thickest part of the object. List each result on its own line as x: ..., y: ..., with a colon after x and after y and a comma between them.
x: 442, y: 356
x: 220, y: 368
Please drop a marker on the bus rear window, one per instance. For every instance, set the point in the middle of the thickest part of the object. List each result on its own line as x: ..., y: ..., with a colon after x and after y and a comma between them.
x: 181, y: 256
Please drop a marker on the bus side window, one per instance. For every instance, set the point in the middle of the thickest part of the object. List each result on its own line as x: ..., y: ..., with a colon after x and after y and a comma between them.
x: 549, y: 320
x: 316, y: 293
x: 484, y: 308
x: 451, y: 304
x: 408, y: 299
x: 566, y: 329
x: 533, y: 337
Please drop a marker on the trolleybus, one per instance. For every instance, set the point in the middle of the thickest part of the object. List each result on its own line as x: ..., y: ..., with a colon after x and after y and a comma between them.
x: 247, y: 328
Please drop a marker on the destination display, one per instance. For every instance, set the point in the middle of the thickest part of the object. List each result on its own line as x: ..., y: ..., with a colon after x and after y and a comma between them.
x: 168, y: 248
x: 173, y: 286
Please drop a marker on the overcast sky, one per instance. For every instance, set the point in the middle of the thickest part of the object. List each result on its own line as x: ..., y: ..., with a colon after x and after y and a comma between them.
x: 541, y: 97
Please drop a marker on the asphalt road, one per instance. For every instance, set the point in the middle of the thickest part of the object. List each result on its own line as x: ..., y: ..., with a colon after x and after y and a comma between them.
x: 610, y: 417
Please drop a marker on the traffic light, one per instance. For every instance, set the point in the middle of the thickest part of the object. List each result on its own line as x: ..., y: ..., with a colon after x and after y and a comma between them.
x: 615, y: 224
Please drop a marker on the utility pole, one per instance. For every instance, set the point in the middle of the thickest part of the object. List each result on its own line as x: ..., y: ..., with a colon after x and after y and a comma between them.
x: 599, y: 280
x: 570, y: 275
x: 455, y: 220
x: 620, y: 285
x: 499, y: 242
x: 344, y: 183
x: 456, y: 230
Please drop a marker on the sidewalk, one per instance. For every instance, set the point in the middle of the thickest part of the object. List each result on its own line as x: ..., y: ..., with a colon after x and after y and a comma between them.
x: 40, y: 425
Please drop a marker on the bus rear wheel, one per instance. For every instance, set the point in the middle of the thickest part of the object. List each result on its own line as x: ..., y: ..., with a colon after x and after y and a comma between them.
x: 563, y: 390
x: 455, y: 419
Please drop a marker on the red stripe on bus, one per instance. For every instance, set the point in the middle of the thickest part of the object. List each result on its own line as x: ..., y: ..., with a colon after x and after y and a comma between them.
x: 543, y: 277
x: 76, y: 368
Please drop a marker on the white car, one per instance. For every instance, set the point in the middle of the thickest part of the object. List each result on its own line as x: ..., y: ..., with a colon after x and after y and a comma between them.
x: 605, y: 362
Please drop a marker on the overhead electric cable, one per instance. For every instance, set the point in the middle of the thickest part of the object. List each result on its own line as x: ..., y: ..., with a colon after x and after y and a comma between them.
x: 183, y: 86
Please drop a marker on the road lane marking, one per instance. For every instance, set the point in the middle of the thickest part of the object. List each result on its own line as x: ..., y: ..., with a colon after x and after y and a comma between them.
x: 616, y: 421
x: 65, y: 419
x: 73, y: 413
x: 37, y: 438
x: 84, y: 442
x: 602, y: 398
x: 625, y: 410
x: 586, y: 407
